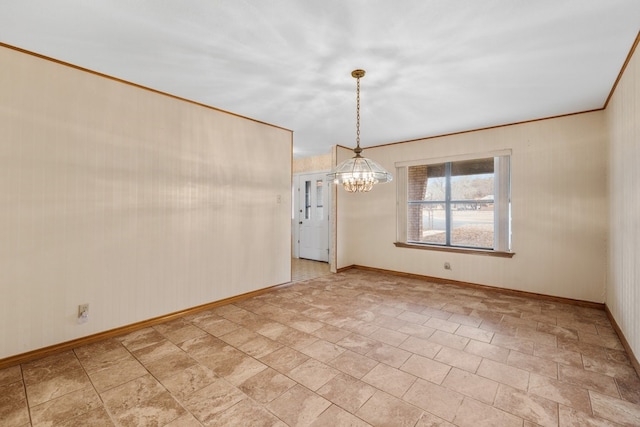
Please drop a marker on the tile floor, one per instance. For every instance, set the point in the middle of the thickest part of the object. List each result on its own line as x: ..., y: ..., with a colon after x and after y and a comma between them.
x: 351, y: 349
x: 304, y: 269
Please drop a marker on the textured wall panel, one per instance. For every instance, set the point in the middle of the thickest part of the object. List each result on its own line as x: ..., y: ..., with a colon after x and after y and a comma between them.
x: 137, y: 203
x: 623, y: 287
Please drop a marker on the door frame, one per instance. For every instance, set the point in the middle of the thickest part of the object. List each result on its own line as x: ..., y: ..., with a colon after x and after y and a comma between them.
x: 297, y: 215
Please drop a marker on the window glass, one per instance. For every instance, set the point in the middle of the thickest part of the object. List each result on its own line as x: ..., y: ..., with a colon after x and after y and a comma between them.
x: 454, y: 203
x: 319, y: 205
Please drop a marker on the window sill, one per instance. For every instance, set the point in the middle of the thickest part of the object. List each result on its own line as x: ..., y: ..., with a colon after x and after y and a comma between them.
x: 485, y: 252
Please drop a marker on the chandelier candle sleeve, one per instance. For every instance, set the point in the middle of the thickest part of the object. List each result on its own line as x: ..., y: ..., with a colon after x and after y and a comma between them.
x: 359, y: 174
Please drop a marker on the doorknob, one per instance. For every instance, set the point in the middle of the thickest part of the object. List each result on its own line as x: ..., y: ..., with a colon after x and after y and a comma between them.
x: 300, y: 222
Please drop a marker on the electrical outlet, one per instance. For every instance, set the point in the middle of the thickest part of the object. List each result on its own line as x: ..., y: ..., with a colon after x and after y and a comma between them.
x: 447, y: 266
x: 83, y: 313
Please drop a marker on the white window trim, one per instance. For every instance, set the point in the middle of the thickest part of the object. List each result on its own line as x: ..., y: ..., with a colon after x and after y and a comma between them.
x: 502, y: 236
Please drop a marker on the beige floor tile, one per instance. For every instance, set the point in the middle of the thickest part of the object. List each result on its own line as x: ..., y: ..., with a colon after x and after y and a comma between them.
x: 442, y: 325
x: 66, y: 407
x: 528, y: 406
x: 421, y: 346
x: 563, y: 393
x: 412, y: 317
x: 504, y: 374
x: 359, y: 344
x: 629, y: 388
x: 347, y: 392
x: 616, y: 410
x: 64, y: 382
x: 218, y: 396
x: 14, y: 410
x: 96, y: 417
x: 330, y: 333
x: 466, y: 320
x: 313, y: 374
x: 10, y: 375
x: 187, y: 420
x: 459, y: 359
x: 475, y: 333
x: 489, y: 351
x: 49, y: 367
x: 558, y: 331
x: 240, y: 369
x: 202, y: 347
x: 323, y: 351
x: 471, y: 385
x: 239, y: 336
x: 159, y: 350
x: 563, y: 357
x: 449, y: 340
x: 588, y: 380
x: 353, y: 364
x: 425, y: 368
x: 260, y: 346
x: 537, y: 337
x: 169, y: 366
x: 430, y: 420
x: 533, y: 364
x: 298, y: 406
x: 569, y: 417
x: 245, y: 413
x: 436, y: 313
x: 189, y: 380
x: 217, y: 326
x: 266, y: 385
x: 607, y: 341
x: 188, y: 332
x: 606, y: 367
x: 476, y: 414
x: 296, y: 339
x: 101, y: 354
x: 121, y: 399
x: 389, y: 336
x: 140, y: 339
x: 390, y: 355
x: 385, y: 410
x: 389, y: 379
x: 435, y: 399
x: 513, y: 343
x: 335, y: 416
x: 284, y: 359
x: 158, y: 410
x: 417, y: 331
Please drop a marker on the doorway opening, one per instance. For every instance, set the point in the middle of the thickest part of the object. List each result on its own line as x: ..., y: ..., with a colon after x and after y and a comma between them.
x: 310, y: 225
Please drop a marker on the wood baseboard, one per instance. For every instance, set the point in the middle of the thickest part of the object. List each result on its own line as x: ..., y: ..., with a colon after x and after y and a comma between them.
x: 440, y: 280
x: 90, y: 339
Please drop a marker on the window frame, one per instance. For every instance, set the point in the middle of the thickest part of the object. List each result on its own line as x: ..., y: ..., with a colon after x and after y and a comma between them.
x: 502, y: 204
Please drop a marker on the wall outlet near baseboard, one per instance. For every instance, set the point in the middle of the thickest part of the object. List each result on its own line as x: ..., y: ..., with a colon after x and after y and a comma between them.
x: 83, y: 313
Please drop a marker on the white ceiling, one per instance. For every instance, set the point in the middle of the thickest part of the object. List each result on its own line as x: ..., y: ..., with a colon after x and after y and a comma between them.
x: 433, y: 66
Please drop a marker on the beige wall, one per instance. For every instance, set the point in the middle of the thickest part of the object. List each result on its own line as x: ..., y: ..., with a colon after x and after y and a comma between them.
x: 312, y: 164
x: 623, y: 287
x: 137, y: 203
x: 559, y: 210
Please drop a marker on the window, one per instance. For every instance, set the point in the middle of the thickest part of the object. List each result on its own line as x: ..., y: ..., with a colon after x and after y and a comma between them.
x: 457, y: 203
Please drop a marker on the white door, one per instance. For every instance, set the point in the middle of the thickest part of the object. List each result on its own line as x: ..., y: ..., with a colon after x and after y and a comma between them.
x: 313, y: 216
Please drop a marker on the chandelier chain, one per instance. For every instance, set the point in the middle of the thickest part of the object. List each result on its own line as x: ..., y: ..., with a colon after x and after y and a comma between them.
x: 358, y: 113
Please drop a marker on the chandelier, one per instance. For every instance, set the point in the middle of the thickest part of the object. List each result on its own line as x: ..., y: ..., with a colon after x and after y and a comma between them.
x: 359, y: 174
